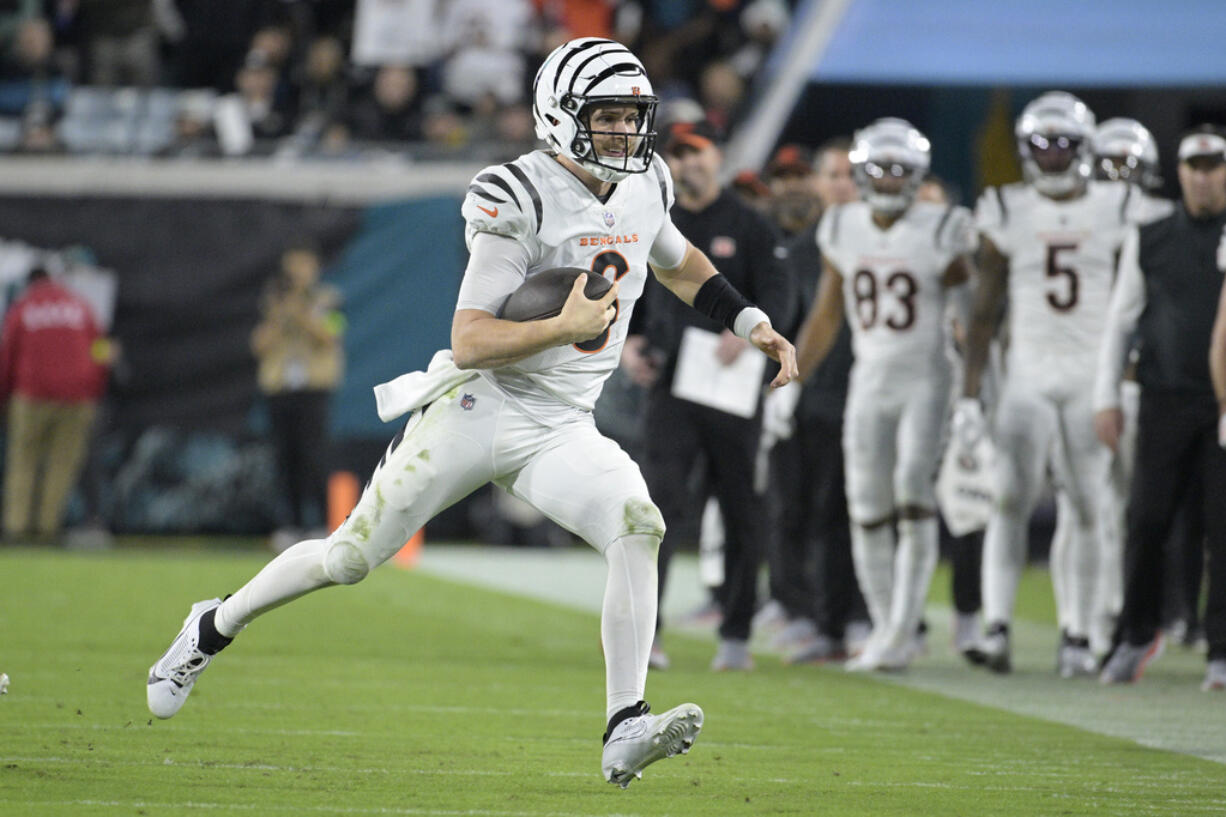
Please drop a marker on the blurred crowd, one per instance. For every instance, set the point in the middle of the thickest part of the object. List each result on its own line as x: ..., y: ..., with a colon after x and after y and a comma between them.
x: 341, y: 78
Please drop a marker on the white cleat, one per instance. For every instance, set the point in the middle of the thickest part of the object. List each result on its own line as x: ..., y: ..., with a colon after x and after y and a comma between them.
x: 877, y: 655
x: 637, y: 742
x: 171, y: 679
x: 1074, y: 659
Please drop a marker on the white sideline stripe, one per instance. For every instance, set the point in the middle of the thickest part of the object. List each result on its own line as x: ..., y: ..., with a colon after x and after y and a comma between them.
x: 264, y: 767
x: 1165, y: 711
x: 426, y: 812
x: 287, y: 732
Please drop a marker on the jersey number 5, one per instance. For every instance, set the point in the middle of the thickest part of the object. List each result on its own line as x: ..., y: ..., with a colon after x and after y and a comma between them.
x: 601, y: 265
x: 1068, y: 299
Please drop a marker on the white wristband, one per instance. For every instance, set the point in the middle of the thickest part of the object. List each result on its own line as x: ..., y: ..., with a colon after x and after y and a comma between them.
x: 747, y: 319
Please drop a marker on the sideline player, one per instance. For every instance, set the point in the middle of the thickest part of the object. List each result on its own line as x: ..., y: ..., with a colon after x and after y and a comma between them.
x: 889, y: 261
x: 514, y: 407
x: 1050, y: 245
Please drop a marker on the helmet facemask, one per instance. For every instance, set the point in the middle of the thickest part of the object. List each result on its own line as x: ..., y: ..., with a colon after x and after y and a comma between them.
x: 613, y: 154
x: 1125, y: 151
x: 581, y: 78
x: 889, y: 160
x: 1054, y: 136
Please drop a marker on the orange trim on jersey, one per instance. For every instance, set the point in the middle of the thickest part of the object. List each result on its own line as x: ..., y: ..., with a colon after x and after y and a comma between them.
x: 606, y: 240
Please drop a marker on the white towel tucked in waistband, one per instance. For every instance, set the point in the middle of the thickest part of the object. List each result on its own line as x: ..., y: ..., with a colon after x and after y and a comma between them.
x: 415, y: 389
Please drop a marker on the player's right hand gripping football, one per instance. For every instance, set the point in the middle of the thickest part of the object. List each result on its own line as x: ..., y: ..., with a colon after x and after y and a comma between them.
x: 776, y: 347
x: 582, y: 318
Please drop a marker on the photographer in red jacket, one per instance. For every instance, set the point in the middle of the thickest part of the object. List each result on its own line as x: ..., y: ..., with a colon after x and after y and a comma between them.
x: 53, y: 364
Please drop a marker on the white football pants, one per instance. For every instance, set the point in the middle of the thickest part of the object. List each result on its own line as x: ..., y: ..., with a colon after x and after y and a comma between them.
x: 471, y: 436
x: 1031, y: 431
x: 1109, y: 597
x: 892, y: 447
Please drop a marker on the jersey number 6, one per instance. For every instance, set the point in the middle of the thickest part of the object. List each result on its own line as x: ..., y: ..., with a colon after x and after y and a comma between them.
x: 601, y: 264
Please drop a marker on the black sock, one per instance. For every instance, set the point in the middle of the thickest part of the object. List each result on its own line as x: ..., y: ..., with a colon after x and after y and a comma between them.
x: 211, y: 642
x: 640, y: 708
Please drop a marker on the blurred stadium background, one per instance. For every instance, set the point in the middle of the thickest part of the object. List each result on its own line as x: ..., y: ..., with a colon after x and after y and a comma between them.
x: 164, y: 151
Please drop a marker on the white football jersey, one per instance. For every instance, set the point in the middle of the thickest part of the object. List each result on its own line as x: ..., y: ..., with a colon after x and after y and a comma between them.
x: 1062, y: 257
x: 537, y: 201
x: 892, y: 292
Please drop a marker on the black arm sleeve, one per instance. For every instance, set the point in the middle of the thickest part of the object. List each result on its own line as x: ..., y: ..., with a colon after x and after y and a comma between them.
x: 718, y: 299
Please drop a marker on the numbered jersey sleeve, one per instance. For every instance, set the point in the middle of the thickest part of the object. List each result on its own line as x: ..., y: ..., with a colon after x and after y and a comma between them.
x: 503, y: 201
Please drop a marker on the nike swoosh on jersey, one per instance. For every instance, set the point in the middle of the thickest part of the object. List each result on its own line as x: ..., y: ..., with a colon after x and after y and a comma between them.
x: 491, y: 213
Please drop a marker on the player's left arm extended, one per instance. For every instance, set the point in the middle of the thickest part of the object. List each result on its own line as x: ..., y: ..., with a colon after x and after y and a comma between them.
x: 821, y: 327
x: 696, y: 281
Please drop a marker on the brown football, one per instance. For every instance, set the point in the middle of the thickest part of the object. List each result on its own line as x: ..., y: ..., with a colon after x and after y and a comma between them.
x: 543, y: 294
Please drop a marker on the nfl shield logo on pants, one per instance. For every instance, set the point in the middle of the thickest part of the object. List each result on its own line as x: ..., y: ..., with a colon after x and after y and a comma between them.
x: 467, y: 402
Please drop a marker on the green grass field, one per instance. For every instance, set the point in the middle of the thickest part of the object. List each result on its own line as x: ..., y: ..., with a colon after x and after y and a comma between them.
x: 413, y: 695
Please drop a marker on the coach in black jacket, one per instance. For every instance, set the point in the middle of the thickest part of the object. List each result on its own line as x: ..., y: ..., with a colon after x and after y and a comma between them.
x: 1168, y: 285
x: 746, y: 249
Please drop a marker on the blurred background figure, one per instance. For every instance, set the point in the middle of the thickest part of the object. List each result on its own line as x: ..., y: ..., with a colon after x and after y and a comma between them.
x: 1169, y: 272
x: 122, y: 43
x: 744, y: 247
x: 53, y: 364
x: 792, y: 179
x: 1125, y: 151
x: 301, y: 361
x: 390, y: 111
x: 818, y: 612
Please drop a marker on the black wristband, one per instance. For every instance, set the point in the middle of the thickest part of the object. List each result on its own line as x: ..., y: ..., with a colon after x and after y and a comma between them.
x: 718, y: 299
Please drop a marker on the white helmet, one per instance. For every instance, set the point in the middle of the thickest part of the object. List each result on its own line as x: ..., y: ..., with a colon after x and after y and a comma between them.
x: 1056, y: 124
x: 1124, y: 150
x: 586, y: 73
x: 889, y: 147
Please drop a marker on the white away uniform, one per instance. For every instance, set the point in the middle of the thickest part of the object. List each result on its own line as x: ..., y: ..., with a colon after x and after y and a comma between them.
x: 895, y: 302
x: 528, y: 426
x: 1061, y: 270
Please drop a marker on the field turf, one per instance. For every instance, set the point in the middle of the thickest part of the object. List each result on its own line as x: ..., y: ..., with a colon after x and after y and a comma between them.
x: 411, y: 694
